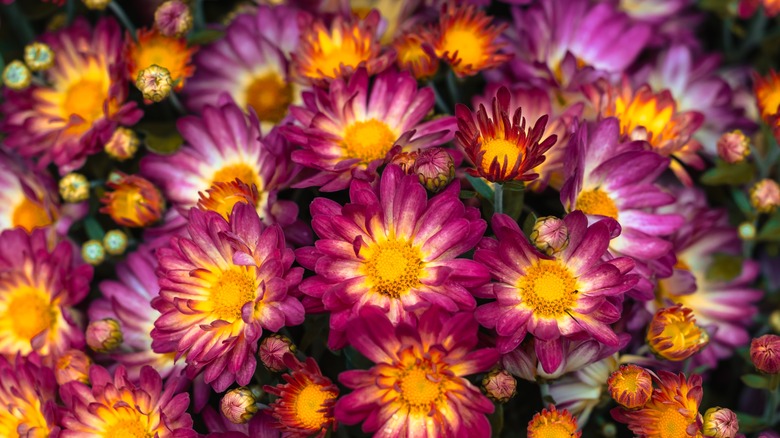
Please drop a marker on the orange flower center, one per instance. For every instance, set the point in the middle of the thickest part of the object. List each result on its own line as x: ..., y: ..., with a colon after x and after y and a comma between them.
x: 644, y: 113
x: 554, y: 430
x: 85, y: 98
x: 421, y: 386
x: 553, y: 424
x: 597, y: 202
x: 167, y: 52
x: 270, y: 96
x: 310, y: 406
x: 393, y: 268
x: 128, y: 428
x: 28, y: 313
x: 222, y: 197
x: 231, y: 291
x: 501, y: 149
x: 673, y: 424
x: 368, y: 140
x: 31, y: 214
x: 468, y: 42
x: 330, y: 52
x: 126, y: 202
x: 242, y: 171
x: 548, y: 288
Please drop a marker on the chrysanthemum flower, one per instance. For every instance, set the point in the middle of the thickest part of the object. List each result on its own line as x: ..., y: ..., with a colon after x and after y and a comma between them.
x: 414, y: 53
x: 535, y: 103
x: 655, y: 118
x: 222, y: 145
x: 499, y: 144
x: 583, y: 390
x: 467, y: 39
x: 70, y: 119
x: 350, y: 130
x: 392, y: 248
x: 672, y: 412
x: 28, y: 394
x: 127, y: 300
x: 674, y: 335
x: 132, y: 201
x: 114, y: 405
x: 631, y: 386
x: 338, y: 50
x: 552, y: 423
x: 154, y: 48
x: 38, y: 288
x: 573, y: 294
x: 251, y: 65
x: 724, y: 303
x: 305, y: 403
x: 417, y: 387
x: 221, y: 285
x: 222, y: 196
x: 605, y: 179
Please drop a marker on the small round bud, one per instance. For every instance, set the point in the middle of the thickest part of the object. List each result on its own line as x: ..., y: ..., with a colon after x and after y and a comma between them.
x: 774, y: 321
x: 765, y: 354
x: 630, y: 386
x: 92, y: 252
x: 38, y: 56
x: 72, y: 365
x: 272, y: 351
x: 104, y: 335
x: 550, y: 235
x: 17, y: 76
x: 673, y: 334
x: 435, y: 168
x: 238, y: 405
x: 115, y: 242
x: 96, y: 5
x: 74, y: 187
x: 154, y: 82
x: 609, y: 430
x: 747, y: 231
x: 405, y: 160
x: 122, y: 145
x: 720, y: 423
x: 499, y: 386
x: 173, y: 18
x: 133, y: 201
x: 733, y: 147
x: 765, y: 196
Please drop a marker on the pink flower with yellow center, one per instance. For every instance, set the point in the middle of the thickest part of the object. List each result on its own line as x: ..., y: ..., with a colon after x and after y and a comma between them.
x: 573, y: 294
x: 350, y: 130
x: 221, y: 284
x: 417, y: 387
x: 115, y: 406
x: 38, y: 287
x: 393, y: 248
x: 28, y: 394
x: 552, y: 423
x: 72, y: 117
x: 153, y: 48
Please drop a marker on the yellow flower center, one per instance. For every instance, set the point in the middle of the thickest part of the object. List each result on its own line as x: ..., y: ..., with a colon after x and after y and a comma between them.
x: 167, y: 52
x: 30, y: 214
x: 242, y: 171
x: 126, y: 202
x: 368, y: 140
x: 683, y: 334
x: 222, y: 197
x: 597, y: 202
x: 128, y: 428
x: 85, y: 98
x: 270, y: 96
x: 548, y: 288
x: 643, y: 113
x: 420, y: 387
x: 467, y: 42
x: 234, y: 288
x: 499, y: 148
x: 673, y: 424
x: 554, y: 430
x: 332, y: 51
x: 394, y: 268
x: 30, y: 312
x: 310, y: 406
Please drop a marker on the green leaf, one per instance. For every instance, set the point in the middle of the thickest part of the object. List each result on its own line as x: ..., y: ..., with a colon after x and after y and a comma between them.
x: 755, y: 381
x: 204, y: 36
x: 771, y: 229
x: 729, y: 174
x: 724, y: 267
x: 513, y: 203
x: 481, y: 186
x: 528, y: 224
x: 497, y: 420
x: 467, y: 194
x: 750, y: 423
x: 94, y: 230
x: 161, y: 138
x: 514, y: 186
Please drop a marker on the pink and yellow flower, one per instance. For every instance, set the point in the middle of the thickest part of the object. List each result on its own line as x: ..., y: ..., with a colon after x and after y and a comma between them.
x: 553, y: 423
x: 392, y: 248
x: 114, y: 405
x: 350, y: 130
x: 73, y: 117
x: 417, y: 387
x: 574, y: 294
x: 38, y: 287
x: 221, y: 285
x: 28, y: 394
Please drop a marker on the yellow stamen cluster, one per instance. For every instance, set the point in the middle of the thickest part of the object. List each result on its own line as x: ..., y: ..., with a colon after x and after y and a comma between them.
x: 548, y: 288
x: 393, y: 268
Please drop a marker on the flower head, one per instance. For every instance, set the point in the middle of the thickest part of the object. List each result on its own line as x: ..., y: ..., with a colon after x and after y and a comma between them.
x: 767, y: 91
x: 499, y: 385
x: 173, y: 18
x: 499, y: 144
x: 733, y: 147
x: 222, y: 196
x: 153, y: 48
x: 414, y: 54
x: 720, y: 423
x: 115, y: 242
x: 122, y: 145
x: 238, y: 405
x: 552, y: 423
x: 765, y: 195
x: 399, y: 252
x: 305, y: 403
x: 28, y: 394
x: 38, y: 56
x: 72, y: 365
x: 272, y: 351
x: 631, y: 386
x: 154, y: 82
x: 583, y: 390
x: 74, y: 187
x: 104, y: 335
x: 92, y: 252
x: 418, y: 384
x: 674, y: 335
x: 16, y: 75
x: 221, y: 284
x: 765, y: 353
x: 133, y: 201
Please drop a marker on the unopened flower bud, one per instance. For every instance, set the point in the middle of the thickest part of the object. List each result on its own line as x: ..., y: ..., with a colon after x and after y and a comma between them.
x: 115, y: 242
x: 674, y: 335
x: 765, y: 354
x: 17, y: 76
x: 774, y: 321
x: 765, y: 196
x: 154, y: 82
x: 104, y: 335
x: 38, y: 56
x: 720, y: 423
x: 74, y: 187
x: 630, y: 386
x: 238, y: 405
x: 272, y: 351
x: 92, y: 252
x: 97, y: 5
x: 733, y: 147
x: 435, y: 168
x: 746, y: 230
x: 72, y: 365
x: 133, y: 202
x: 550, y: 235
x: 122, y: 145
x: 499, y: 386
x: 405, y: 160
x: 173, y: 18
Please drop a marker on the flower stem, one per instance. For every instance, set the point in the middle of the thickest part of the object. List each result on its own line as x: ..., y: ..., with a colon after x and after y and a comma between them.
x: 176, y: 103
x: 120, y: 14
x: 773, y: 399
x: 498, y: 198
x: 440, y: 103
